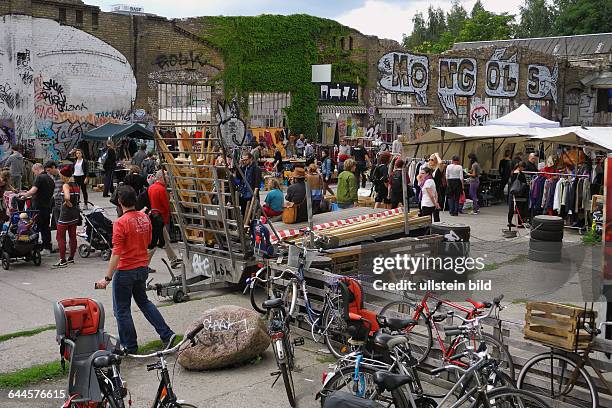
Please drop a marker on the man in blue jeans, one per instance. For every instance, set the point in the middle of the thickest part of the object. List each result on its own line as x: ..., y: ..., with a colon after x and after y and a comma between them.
x: 128, y: 270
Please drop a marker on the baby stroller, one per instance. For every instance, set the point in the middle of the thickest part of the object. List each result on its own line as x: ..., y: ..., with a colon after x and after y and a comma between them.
x: 19, y: 245
x: 99, y: 231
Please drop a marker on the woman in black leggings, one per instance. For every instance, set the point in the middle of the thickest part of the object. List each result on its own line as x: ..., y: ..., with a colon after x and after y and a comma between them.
x: 520, y: 197
x: 81, y: 170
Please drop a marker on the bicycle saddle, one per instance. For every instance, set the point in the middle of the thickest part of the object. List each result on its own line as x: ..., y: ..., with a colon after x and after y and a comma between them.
x: 388, y: 381
x: 273, y: 303
x: 397, y: 324
x: 105, y: 361
x: 389, y: 340
x: 478, y: 305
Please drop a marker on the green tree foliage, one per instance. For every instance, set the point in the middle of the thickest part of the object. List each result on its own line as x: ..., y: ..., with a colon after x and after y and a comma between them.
x: 582, y: 17
x: 456, y: 18
x: 536, y: 19
x: 485, y: 26
x: 478, y: 7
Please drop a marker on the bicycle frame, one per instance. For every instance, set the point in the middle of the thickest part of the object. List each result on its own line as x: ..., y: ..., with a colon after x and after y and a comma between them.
x: 165, y: 393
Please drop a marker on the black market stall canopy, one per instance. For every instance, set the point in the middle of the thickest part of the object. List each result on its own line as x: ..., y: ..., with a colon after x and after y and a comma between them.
x: 116, y: 132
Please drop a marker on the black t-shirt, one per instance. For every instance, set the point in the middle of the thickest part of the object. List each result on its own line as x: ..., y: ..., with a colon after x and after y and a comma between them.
x: 296, y: 193
x: 44, y: 194
x: 359, y: 153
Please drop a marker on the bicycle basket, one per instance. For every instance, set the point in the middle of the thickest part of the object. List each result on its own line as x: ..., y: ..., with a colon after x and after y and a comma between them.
x: 294, y: 253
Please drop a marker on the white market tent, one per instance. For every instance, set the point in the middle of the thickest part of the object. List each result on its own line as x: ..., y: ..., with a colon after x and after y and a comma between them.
x: 490, y: 141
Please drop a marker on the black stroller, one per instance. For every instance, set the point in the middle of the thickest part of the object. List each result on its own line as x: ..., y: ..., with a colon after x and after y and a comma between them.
x: 13, y: 245
x: 99, y: 231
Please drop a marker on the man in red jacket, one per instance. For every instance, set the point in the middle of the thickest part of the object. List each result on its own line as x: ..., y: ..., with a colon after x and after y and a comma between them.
x: 160, y: 219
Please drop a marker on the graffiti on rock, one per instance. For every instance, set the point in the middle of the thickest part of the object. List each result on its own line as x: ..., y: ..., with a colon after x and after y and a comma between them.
x: 457, y: 77
x: 502, y: 75
x: 541, y: 81
x: 405, y: 73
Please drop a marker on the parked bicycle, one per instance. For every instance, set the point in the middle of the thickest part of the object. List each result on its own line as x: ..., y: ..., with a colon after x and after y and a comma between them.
x: 562, y: 377
x: 113, y: 388
x: 421, y: 334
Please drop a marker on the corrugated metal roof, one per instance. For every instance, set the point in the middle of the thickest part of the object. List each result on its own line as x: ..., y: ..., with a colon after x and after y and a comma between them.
x: 574, y: 45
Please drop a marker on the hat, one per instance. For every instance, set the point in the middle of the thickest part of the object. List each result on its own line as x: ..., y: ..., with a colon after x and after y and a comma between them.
x: 299, y: 173
x: 50, y: 164
x: 66, y: 171
x: 23, y: 216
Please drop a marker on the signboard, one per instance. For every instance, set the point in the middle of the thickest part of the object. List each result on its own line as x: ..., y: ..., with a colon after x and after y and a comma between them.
x: 321, y: 73
x: 338, y: 92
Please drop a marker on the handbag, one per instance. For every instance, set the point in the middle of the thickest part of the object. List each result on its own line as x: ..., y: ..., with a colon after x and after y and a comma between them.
x: 462, y: 198
x: 519, y: 189
x: 290, y: 212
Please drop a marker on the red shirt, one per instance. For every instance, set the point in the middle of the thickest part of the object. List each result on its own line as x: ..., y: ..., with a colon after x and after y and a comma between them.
x: 131, y: 237
x: 158, y: 196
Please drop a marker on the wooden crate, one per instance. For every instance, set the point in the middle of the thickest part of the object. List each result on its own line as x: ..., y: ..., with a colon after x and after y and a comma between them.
x: 557, y: 325
x: 366, y: 202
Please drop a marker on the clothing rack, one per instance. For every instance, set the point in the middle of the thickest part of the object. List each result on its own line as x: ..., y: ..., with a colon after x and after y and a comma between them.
x: 556, y: 174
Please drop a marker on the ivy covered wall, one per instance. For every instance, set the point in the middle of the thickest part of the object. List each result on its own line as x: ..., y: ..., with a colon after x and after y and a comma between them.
x: 271, y: 53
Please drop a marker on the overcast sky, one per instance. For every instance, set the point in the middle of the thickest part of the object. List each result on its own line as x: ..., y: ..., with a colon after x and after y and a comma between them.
x: 383, y: 18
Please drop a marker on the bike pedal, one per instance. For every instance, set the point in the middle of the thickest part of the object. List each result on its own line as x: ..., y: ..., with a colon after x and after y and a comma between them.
x: 298, y: 342
x: 275, y: 373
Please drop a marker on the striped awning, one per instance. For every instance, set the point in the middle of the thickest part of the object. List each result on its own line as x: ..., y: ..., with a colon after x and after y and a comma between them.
x: 404, y: 111
x: 343, y: 109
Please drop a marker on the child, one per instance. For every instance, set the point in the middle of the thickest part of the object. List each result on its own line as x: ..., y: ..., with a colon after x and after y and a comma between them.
x: 23, y: 227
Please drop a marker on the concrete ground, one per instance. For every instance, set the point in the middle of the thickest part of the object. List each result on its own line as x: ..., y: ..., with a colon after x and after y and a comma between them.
x: 29, y: 293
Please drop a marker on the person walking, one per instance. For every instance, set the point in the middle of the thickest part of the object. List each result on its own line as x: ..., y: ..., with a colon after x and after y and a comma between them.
x: 81, y: 171
x: 109, y: 162
x: 380, y: 180
x: 327, y: 170
x: 128, y: 271
x: 160, y: 207
x: 360, y: 154
x: 474, y: 180
x: 252, y: 179
x: 518, y: 192
x: 68, y: 217
x: 438, y: 172
x: 140, y: 155
x: 454, y: 178
x: 397, y: 185
x: 346, y: 193
x: 42, y: 200
x: 428, y: 195
x: 16, y: 164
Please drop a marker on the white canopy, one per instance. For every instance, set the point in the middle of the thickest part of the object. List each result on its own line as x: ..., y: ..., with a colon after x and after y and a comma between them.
x: 523, y: 117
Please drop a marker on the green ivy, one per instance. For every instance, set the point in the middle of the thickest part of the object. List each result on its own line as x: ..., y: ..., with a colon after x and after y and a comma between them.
x: 271, y: 53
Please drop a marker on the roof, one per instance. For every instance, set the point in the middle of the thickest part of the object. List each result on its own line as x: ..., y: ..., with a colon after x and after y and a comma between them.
x: 114, y: 132
x: 524, y: 117
x: 572, y: 45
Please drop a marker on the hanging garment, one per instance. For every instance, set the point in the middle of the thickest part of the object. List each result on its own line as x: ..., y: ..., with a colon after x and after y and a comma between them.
x: 551, y: 194
x: 560, y: 192
x: 586, y: 193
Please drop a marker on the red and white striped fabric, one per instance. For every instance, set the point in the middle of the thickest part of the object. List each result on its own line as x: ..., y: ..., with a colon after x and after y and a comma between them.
x: 294, y: 232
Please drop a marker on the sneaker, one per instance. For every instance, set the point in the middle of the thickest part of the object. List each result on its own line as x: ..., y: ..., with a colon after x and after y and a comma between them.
x: 70, y: 260
x: 169, y: 343
x: 45, y: 252
x: 60, y: 264
x: 175, y: 263
x: 82, y: 235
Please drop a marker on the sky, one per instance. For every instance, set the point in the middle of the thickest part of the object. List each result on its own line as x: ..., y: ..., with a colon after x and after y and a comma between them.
x: 383, y: 18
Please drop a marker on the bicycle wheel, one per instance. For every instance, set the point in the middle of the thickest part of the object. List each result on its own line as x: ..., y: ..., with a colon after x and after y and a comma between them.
x: 290, y: 295
x: 559, y: 380
x: 334, y: 330
x: 180, y: 405
x: 343, y: 379
x: 511, y: 398
x: 288, y: 380
x: 419, y: 336
x: 497, y: 351
x: 258, y: 295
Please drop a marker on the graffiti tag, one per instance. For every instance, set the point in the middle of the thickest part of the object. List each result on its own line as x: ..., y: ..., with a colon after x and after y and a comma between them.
x: 192, y: 60
x: 457, y: 77
x: 541, y: 81
x: 502, y: 75
x: 405, y: 73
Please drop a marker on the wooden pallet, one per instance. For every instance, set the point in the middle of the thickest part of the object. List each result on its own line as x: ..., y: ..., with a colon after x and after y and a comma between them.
x: 557, y: 325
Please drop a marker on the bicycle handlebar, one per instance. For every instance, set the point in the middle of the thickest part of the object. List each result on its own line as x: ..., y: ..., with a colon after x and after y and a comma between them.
x: 597, y: 331
x: 189, y: 337
x: 496, y: 302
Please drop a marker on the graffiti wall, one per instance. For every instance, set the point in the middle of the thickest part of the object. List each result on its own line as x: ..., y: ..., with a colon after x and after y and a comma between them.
x: 405, y: 73
x: 457, y: 78
x: 56, y: 82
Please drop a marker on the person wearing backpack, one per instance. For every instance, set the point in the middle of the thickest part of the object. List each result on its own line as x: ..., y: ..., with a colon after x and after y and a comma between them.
x: 380, y: 180
x: 397, y: 185
x: 160, y: 219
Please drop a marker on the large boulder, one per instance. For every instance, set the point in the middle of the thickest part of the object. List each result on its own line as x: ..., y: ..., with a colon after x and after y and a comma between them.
x: 231, y: 335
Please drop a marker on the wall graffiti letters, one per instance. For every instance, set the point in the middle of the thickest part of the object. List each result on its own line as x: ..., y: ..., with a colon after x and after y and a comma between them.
x: 541, y: 81
x: 502, y: 75
x: 24, y: 68
x: 192, y: 60
x: 52, y: 93
x: 457, y: 77
x: 405, y: 73
x: 479, y: 114
x: 7, y: 96
x: 331, y: 92
x: 231, y: 127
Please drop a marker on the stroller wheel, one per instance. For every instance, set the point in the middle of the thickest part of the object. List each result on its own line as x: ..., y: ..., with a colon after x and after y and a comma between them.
x: 84, y: 250
x: 106, y: 254
x: 6, y: 261
x: 36, y: 257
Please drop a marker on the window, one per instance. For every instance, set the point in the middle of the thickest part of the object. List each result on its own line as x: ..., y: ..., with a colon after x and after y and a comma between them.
x: 342, y: 42
x: 62, y: 15
x: 542, y: 107
x: 350, y: 43
x: 267, y: 109
x: 462, y: 111
x: 396, y: 99
x: 94, y: 19
x: 184, y: 105
x: 498, y: 107
x: 79, y: 17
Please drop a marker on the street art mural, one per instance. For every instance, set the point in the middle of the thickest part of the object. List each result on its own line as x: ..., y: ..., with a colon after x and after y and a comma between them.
x: 405, y: 73
x: 479, y: 114
x: 502, y: 75
x: 457, y: 77
x: 57, y: 81
x: 231, y: 127
x: 541, y: 81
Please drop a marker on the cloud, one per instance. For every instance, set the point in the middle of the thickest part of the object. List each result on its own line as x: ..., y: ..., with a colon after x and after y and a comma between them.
x: 392, y: 19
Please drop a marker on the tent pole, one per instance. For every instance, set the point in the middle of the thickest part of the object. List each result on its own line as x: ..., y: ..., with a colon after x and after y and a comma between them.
x: 442, y: 142
x: 492, y: 153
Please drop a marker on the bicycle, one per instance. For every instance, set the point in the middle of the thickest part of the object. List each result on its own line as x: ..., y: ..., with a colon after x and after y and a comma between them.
x: 421, y: 334
x: 562, y: 378
x: 280, y: 335
x: 112, y: 386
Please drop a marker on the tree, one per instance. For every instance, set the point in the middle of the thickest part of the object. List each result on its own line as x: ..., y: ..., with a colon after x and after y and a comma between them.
x: 478, y: 7
x: 436, y: 24
x: 419, y: 32
x: 486, y: 26
x: 456, y: 18
x: 582, y: 17
x: 536, y: 19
